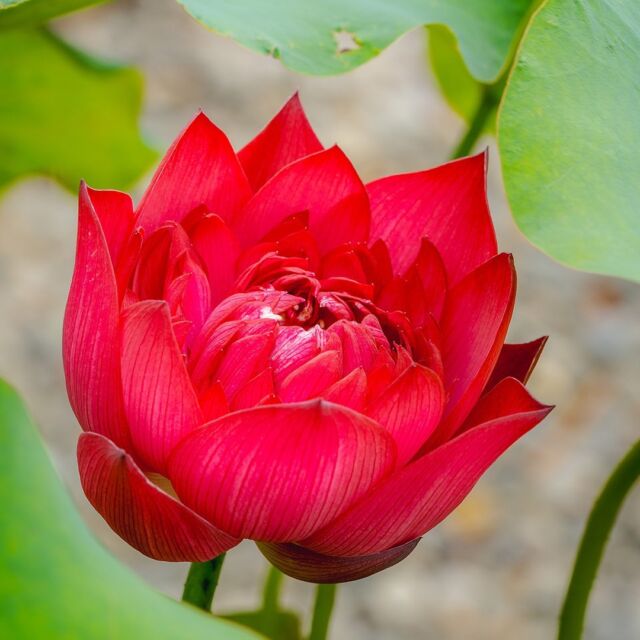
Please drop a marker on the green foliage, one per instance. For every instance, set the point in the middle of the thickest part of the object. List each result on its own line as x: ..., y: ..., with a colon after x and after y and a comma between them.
x: 56, y: 581
x: 20, y: 13
x: 460, y: 89
x: 67, y: 115
x: 275, y: 625
x: 334, y: 36
x: 569, y: 135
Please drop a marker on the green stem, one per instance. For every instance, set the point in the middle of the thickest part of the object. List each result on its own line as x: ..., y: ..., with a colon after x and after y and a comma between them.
x: 480, y: 117
x: 202, y: 581
x: 594, y: 539
x: 271, y: 591
x: 322, y: 609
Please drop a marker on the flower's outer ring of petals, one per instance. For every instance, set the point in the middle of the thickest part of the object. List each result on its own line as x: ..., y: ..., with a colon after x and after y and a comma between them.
x: 90, y: 333
x: 474, y: 325
x: 200, y: 168
x: 516, y: 361
x: 277, y: 473
x: 287, y: 138
x: 410, y: 409
x: 115, y: 212
x: 446, y: 204
x: 509, y: 396
x: 304, y: 564
x: 160, y: 402
x: 419, y: 496
x: 326, y: 185
x: 149, y: 519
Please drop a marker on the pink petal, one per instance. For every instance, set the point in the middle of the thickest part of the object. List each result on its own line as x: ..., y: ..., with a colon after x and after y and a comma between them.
x: 159, y: 399
x: 277, y: 473
x: 115, y: 212
x: 141, y: 513
x: 349, y: 391
x: 358, y: 346
x: 200, y: 168
x: 293, y: 347
x: 213, y: 402
x: 447, y: 205
x: 474, y: 326
x: 517, y: 361
x: 244, y: 358
x: 286, y: 138
x: 307, y: 565
x: 326, y: 185
x: 90, y: 334
x: 218, y: 248
x: 254, y: 391
x: 410, y: 409
x: 312, y: 378
x: 419, y: 496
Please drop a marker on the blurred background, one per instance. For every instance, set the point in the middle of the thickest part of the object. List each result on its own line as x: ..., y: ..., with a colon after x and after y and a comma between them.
x: 498, y: 567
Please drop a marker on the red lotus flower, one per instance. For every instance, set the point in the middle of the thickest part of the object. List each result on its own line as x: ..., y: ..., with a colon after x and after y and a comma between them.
x: 266, y: 348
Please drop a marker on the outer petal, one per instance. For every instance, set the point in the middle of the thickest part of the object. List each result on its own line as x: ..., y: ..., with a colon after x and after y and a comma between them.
x: 474, y: 325
x: 326, y: 185
x: 420, y: 495
x: 90, y: 334
x: 200, y: 168
x: 277, y: 473
x: 517, y: 361
x: 115, y: 212
x: 141, y: 513
x: 410, y: 409
x: 509, y: 396
x: 159, y: 399
x: 286, y: 138
x: 447, y: 204
x: 307, y: 565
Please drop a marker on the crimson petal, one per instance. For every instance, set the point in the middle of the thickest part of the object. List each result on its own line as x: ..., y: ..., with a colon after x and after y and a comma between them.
x: 326, y: 185
x: 474, y: 325
x: 517, y: 361
x: 419, y: 496
x: 286, y: 138
x: 200, y: 168
x: 409, y: 409
x: 140, y: 512
x: 90, y: 333
x: 159, y: 399
x: 446, y: 204
x: 277, y: 473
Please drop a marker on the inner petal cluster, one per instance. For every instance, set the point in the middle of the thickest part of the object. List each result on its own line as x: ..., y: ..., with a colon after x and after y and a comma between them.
x: 282, y: 320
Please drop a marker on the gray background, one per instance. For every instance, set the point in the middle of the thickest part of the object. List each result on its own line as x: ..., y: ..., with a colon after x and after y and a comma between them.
x: 497, y: 568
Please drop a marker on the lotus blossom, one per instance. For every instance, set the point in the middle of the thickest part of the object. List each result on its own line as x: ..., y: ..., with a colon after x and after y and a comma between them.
x: 267, y: 348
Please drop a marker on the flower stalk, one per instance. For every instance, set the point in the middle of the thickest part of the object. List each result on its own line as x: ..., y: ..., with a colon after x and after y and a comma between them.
x: 201, y: 583
x: 322, y: 610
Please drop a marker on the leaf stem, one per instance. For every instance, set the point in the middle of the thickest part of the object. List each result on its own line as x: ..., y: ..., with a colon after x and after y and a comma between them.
x: 476, y: 127
x: 594, y: 539
x: 202, y: 581
x: 322, y: 609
